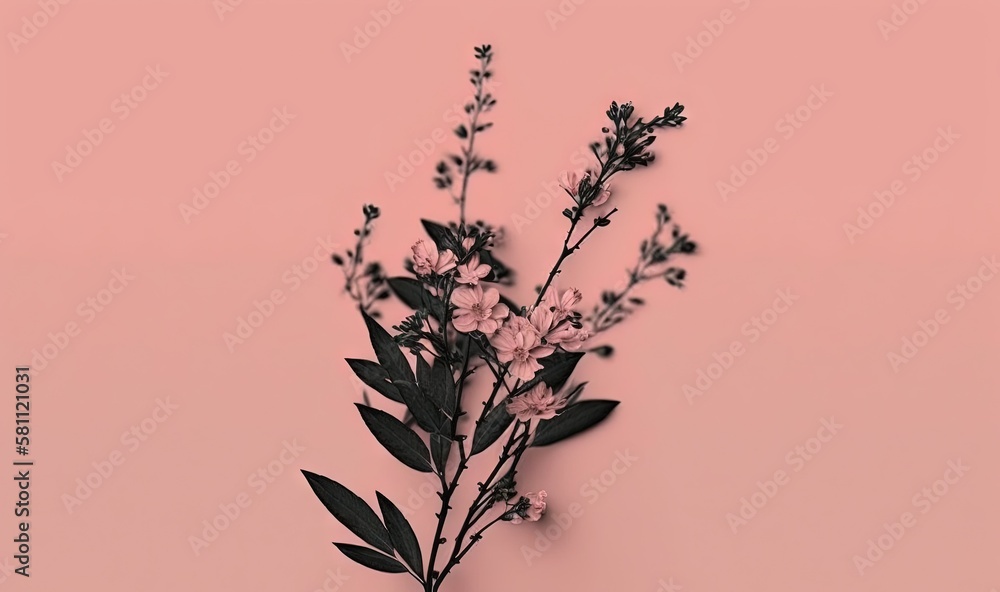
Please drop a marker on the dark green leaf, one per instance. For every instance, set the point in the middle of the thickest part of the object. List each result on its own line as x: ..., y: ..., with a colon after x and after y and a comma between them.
x: 491, y: 428
x: 415, y: 295
x: 403, y: 537
x: 352, y: 511
x: 428, y: 416
x: 440, y: 449
x: 441, y: 235
x: 556, y: 370
x: 573, y: 420
x: 387, y: 351
x: 401, y: 442
x: 424, y: 376
x: 376, y: 377
x: 370, y: 558
x: 443, y: 386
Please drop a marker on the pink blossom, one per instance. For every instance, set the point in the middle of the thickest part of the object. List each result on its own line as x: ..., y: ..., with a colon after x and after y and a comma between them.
x: 561, y: 305
x: 541, y: 318
x: 537, y: 404
x: 570, y: 181
x: 520, y: 343
x: 427, y: 259
x: 478, y: 310
x: 602, y: 195
x: 568, y: 337
x: 535, y: 510
x: 472, y: 270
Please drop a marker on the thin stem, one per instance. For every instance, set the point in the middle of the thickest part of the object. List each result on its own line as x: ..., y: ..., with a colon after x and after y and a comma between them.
x: 474, y: 123
x: 568, y: 250
x: 484, y: 490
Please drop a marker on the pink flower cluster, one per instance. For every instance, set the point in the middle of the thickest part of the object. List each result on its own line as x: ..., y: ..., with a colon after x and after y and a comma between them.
x: 535, y: 405
x: 570, y: 182
x: 535, y: 510
x: 427, y: 259
x: 519, y: 341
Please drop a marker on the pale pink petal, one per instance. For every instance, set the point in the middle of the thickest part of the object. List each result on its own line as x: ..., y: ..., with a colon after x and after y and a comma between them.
x: 490, y: 297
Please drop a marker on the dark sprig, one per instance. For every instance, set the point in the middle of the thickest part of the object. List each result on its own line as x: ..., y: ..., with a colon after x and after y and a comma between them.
x: 364, y: 282
x: 461, y: 166
x: 654, y: 256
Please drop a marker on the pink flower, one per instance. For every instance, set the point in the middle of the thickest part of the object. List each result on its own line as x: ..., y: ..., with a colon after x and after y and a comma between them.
x: 568, y: 337
x: 478, y: 310
x: 570, y: 181
x: 535, y: 510
x: 541, y: 319
x: 537, y: 404
x: 520, y: 343
x: 472, y: 271
x: 602, y: 195
x: 427, y: 259
x: 561, y: 305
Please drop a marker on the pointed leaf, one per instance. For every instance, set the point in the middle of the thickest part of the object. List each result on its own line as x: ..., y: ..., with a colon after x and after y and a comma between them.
x: 573, y: 420
x: 491, y: 428
x: 440, y: 450
x: 556, y: 370
x: 370, y: 558
x: 401, y: 442
x: 375, y: 376
x: 443, y: 386
x: 352, y: 511
x: 413, y: 294
x: 403, y: 537
x: 427, y: 415
x: 423, y: 374
x: 441, y: 235
x: 387, y: 351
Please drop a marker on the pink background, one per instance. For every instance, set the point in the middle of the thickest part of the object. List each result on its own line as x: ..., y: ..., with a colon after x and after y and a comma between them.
x: 663, y: 522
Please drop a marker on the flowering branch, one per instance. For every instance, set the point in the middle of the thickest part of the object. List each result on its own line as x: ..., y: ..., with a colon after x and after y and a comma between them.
x: 461, y: 323
x: 468, y: 162
x: 653, y: 257
x: 365, y: 284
